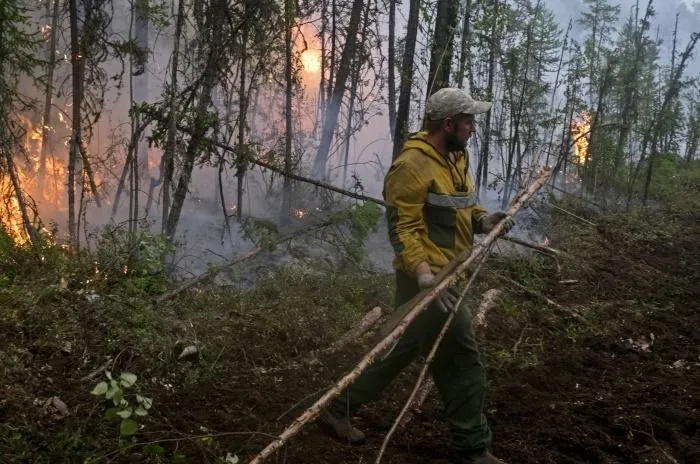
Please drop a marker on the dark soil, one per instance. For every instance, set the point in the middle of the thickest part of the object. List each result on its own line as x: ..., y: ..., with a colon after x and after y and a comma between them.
x: 621, y: 387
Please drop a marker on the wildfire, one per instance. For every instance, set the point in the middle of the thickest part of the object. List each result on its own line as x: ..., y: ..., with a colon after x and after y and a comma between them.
x: 49, y: 190
x: 311, y: 61
x: 579, y: 131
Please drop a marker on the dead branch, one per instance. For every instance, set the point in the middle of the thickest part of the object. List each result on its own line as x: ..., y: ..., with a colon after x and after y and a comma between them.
x: 210, y: 273
x: 541, y: 248
x: 408, y: 312
x: 478, y: 321
x: 542, y: 297
x: 586, y: 221
x: 213, y: 271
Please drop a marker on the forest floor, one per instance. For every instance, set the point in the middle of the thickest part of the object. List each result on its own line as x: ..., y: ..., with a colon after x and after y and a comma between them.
x: 618, y: 382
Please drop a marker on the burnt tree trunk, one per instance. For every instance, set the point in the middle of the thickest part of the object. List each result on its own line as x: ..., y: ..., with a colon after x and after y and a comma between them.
x: 210, y: 75
x: 167, y: 165
x: 392, y: 67
x: 442, y: 50
x: 289, y: 13
x: 48, y: 95
x: 331, y: 120
x: 76, y: 137
x: 401, y: 129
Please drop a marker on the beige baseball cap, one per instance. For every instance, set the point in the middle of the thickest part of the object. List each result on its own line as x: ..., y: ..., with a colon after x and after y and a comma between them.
x: 450, y: 102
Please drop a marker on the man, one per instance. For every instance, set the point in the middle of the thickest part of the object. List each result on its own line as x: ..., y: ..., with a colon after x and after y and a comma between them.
x: 432, y: 215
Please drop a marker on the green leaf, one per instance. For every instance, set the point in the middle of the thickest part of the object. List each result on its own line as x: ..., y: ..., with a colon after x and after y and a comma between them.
x: 145, y: 401
x: 128, y: 427
x: 154, y: 449
x: 112, y: 391
x: 124, y: 413
x: 117, y: 398
x: 100, y: 389
x: 127, y: 379
x: 140, y: 410
x: 109, y: 375
x: 111, y: 413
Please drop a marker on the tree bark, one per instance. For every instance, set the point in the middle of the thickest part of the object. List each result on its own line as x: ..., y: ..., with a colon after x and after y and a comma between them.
x: 442, y: 50
x: 401, y: 129
x: 212, y: 69
x: 76, y: 137
x: 285, y: 214
x: 392, y: 68
x: 48, y: 96
x: 167, y: 166
x: 329, y: 125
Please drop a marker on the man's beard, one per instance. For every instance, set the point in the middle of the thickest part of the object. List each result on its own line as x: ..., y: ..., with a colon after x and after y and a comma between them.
x: 452, y: 143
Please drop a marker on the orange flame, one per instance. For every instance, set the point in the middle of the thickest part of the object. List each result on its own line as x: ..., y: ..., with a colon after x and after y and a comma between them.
x: 580, y: 129
x: 27, y: 168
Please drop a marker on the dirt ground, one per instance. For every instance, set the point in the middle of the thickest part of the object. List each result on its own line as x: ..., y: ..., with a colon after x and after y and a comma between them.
x: 619, y: 382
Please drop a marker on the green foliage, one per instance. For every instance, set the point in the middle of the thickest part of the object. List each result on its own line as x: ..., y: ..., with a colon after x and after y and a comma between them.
x: 128, y: 408
x: 677, y: 184
x: 136, y: 260
x: 261, y: 231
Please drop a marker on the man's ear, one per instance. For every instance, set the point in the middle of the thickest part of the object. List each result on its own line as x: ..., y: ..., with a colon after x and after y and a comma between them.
x: 447, y: 124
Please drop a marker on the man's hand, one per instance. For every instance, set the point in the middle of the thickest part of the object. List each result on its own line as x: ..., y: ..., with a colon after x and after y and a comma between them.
x: 487, y: 223
x: 446, y: 299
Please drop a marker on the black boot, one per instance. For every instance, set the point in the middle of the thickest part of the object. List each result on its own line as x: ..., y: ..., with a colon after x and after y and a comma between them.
x: 340, y: 428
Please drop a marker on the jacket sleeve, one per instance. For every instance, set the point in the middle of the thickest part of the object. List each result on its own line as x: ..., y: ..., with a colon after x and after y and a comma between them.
x: 405, y: 191
x: 478, y: 213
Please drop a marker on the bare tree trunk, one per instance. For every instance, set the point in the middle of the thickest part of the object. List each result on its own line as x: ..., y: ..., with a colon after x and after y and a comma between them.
x: 465, y: 49
x: 242, y: 108
x: 210, y: 75
x: 392, y: 67
x: 331, y: 64
x: 21, y: 203
x: 442, y: 50
x: 76, y: 138
x: 167, y: 165
x: 401, y: 130
x: 482, y: 172
x: 356, y: 68
x: 671, y: 94
x: 329, y: 125
x: 321, y: 109
x: 289, y: 13
x: 48, y: 95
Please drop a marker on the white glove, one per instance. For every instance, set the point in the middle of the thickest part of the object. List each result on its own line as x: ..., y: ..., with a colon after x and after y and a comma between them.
x: 446, y: 299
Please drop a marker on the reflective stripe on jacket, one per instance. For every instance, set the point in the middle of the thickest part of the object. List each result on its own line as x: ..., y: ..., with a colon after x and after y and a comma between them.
x: 431, y: 206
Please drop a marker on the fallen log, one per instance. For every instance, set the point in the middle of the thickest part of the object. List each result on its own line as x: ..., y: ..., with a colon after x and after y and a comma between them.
x: 408, y: 312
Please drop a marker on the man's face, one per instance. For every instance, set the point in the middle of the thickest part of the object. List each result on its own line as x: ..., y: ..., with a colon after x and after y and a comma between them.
x: 458, y: 130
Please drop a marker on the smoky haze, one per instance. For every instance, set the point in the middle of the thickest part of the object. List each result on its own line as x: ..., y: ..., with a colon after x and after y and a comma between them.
x: 369, y: 149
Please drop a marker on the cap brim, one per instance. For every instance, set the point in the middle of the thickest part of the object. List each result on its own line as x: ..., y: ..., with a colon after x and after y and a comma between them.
x: 479, y: 107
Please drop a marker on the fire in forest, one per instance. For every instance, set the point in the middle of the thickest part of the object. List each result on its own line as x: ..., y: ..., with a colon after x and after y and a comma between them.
x: 311, y: 61
x: 47, y: 190
x: 580, y: 129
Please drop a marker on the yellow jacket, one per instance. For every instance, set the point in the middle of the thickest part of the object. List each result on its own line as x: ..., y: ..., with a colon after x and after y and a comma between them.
x: 432, y: 206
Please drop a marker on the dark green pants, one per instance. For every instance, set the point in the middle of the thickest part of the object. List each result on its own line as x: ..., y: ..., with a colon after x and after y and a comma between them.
x: 457, y: 370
